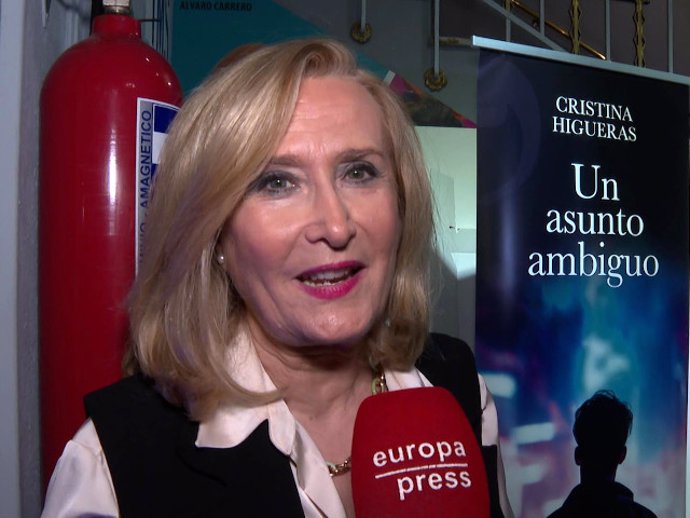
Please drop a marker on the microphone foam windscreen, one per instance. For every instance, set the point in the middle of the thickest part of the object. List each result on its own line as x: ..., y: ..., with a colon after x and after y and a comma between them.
x: 414, y: 454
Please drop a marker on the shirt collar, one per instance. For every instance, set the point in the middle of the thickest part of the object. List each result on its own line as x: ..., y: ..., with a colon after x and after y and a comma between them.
x: 231, y: 423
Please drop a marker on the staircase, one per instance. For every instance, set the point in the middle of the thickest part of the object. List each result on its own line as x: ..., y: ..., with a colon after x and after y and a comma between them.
x: 636, y: 32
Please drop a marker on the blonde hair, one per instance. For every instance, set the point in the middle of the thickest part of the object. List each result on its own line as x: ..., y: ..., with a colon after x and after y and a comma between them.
x: 184, y: 312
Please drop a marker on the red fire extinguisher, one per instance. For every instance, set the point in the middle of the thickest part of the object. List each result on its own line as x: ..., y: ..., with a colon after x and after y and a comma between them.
x: 105, y: 106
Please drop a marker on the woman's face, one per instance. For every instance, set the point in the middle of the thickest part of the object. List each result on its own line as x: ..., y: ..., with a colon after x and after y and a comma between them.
x: 311, y: 249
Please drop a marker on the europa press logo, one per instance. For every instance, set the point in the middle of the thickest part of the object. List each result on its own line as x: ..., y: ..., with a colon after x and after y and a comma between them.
x: 414, y: 454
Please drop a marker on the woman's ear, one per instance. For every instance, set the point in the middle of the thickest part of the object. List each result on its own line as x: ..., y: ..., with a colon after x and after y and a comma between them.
x: 218, y: 254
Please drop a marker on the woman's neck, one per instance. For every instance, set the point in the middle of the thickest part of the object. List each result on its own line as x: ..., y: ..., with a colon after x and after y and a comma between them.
x: 323, y: 388
x: 316, y: 380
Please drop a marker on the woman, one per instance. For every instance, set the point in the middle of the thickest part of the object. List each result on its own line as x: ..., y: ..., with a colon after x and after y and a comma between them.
x: 284, y: 276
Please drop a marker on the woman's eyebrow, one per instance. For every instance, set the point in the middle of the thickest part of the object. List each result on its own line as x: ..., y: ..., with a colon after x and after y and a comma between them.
x: 358, y: 154
x: 347, y: 155
x: 288, y: 160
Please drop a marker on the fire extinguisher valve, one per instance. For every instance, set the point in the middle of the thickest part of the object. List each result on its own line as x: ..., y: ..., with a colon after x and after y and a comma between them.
x: 116, y: 6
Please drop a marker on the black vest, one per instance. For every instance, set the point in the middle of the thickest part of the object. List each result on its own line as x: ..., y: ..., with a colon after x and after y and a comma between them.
x: 158, y: 471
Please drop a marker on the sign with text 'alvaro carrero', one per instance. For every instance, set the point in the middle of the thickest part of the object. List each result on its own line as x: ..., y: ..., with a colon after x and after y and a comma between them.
x: 582, y: 268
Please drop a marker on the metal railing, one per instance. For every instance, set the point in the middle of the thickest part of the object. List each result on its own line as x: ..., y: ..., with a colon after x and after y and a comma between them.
x: 538, y: 20
x: 517, y: 13
x: 574, y: 32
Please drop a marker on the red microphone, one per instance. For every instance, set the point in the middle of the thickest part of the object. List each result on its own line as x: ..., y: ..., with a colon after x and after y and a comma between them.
x: 414, y: 454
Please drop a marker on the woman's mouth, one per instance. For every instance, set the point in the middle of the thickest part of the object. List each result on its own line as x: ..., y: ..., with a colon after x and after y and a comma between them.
x: 329, y: 277
x: 330, y: 282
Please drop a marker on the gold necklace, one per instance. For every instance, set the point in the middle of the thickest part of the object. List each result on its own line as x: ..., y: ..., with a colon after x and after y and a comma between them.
x: 378, y: 386
x: 340, y: 468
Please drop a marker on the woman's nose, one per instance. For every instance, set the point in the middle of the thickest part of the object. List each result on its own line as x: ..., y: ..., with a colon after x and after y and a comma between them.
x: 331, y: 218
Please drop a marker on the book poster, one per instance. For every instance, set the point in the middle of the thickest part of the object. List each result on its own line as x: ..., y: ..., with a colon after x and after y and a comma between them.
x: 582, y: 269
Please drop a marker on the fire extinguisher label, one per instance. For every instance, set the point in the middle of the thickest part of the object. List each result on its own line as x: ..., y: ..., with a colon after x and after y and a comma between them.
x: 153, y: 120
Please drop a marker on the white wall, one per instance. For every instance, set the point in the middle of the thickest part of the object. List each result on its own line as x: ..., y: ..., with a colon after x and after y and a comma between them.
x: 29, y: 44
x: 11, y: 14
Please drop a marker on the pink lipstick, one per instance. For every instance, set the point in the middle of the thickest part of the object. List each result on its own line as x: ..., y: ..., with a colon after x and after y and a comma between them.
x: 331, y: 281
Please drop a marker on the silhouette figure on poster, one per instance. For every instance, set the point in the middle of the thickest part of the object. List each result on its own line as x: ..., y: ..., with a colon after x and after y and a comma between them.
x: 601, y: 429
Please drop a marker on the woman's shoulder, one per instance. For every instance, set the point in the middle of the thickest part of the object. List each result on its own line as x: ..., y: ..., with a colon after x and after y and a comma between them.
x: 81, y: 483
x: 448, y: 347
x: 136, y: 384
x: 86, y: 438
x: 135, y: 393
x: 447, y: 357
x: 131, y: 411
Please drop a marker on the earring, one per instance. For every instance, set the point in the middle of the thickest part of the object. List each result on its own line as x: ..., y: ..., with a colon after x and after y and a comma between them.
x: 220, y: 258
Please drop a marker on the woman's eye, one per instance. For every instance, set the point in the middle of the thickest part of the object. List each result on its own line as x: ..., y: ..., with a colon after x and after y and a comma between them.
x: 361, y: 172
x: 273, y: 184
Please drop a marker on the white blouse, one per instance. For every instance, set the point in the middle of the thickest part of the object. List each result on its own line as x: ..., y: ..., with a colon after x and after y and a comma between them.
x: 81, y: 483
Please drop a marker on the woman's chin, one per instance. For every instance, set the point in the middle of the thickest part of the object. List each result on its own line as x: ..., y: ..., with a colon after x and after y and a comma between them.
x: 336, y: 340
